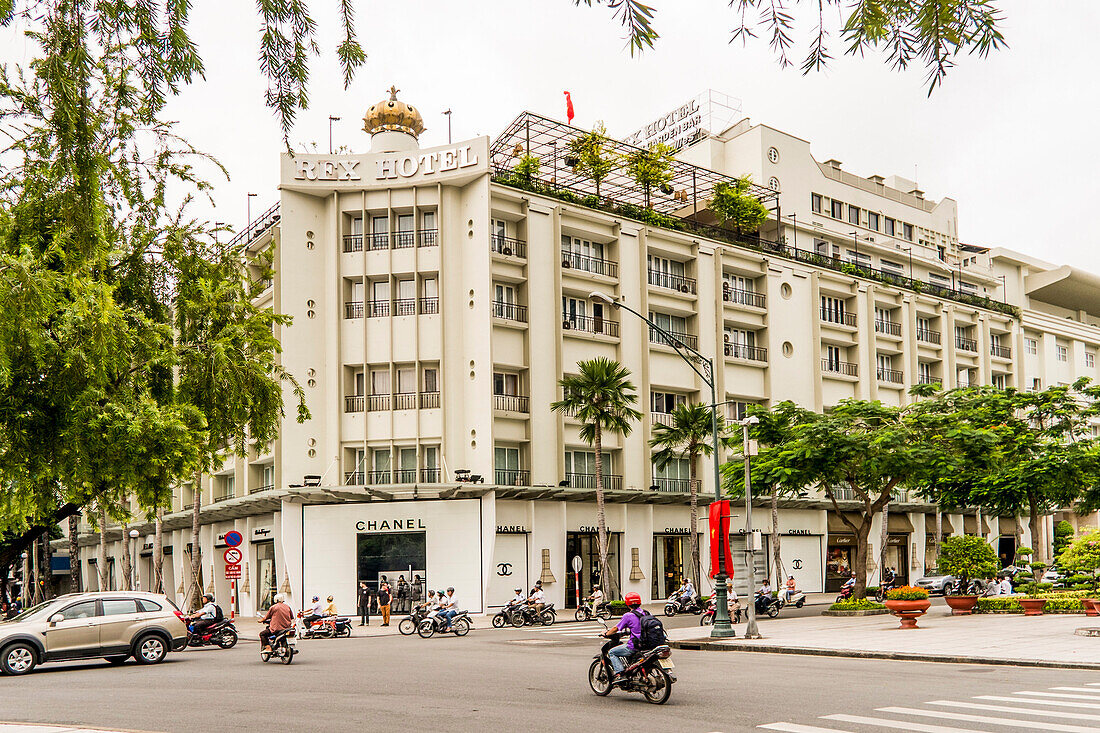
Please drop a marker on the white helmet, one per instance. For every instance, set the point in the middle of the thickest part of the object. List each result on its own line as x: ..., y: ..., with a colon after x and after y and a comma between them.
x: 280, y: 598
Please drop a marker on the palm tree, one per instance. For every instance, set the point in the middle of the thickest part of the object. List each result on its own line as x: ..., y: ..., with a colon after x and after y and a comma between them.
x: 601, y: 397
x: 688, y: 437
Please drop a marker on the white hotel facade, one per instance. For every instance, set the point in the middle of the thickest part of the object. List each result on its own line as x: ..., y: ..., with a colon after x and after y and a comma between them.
x: 436, y: 305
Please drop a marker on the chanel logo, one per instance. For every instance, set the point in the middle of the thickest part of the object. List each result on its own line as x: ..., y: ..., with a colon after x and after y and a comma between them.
x: 796, y: 564
x: 504, y: 568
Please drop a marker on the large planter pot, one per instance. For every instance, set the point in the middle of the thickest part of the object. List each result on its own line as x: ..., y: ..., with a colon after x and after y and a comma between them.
x: 1033, y: 606
x: 1089, y: 604
x: 908, y: 611
x: 961, y: 605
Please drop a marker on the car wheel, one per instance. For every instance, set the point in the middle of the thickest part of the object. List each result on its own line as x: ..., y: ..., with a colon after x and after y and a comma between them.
x: 150, y: 649
x: 19, y: 658
x: 948, y: 589
x: 119, y: 659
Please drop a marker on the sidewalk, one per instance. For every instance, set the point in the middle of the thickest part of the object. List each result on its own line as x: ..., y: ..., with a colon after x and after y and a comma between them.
x: 1011, y: 639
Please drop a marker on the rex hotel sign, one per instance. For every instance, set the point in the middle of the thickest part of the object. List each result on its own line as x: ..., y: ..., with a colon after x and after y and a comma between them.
x: 387, y: 167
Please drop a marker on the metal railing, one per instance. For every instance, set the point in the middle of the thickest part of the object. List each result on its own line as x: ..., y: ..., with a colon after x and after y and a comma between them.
x: 510, y: 403
x: 510, y: 311
x: 378, y: 241
x: 353, y: 309
x: 427, y: 238
x: 404, y: 240
x: 669, y: 281
x: 511, y: 477
x: 588, y: 324
x: 379, y: 477
x: 353, y: 242
x: 405, y: 401
x: 847, y: 368
x: 661, y: 418
x: 743, y: 297
x: 258, y: 489
x: 928, y: 336
x: 430, y: 475
x: 507, y: 246
x: 378, y: 402
x: 224, y: 496
x: 844, y: 318
x: 354, y: 478
x: 656, y: 337
x: 674, y: 485
x: 892, y: 328
x: 429, y: 306
x: 744, y: 351
x: 966, y: 344
x: 354, y: 403
x: 404, y: 476
x: 895, y: 376
x: 1003, y: 352
x: 928, y: 379
x: 586, y: 263
x: 404, y: 307
x: 429, y: 400
x: 611, y: 481
x: 378, y: 308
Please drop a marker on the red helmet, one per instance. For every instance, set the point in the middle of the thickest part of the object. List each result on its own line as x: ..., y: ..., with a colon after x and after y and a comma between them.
x: 632, y: 599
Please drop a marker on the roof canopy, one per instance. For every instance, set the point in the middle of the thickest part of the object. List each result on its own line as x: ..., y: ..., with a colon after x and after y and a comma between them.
x: 1066, y: 287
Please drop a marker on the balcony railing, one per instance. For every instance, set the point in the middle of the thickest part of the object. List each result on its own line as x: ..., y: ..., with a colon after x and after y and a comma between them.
x: 378, y: 308
x: 928, y: 336
x: 846, y: 368
x: 354, y: 478
x: 743, y: 297
x: 378, y: 402
x: 428, y: 238
x: 674, y: 485
x: 1003, y: 352
x: 404, y: 476
x: 661, y: 418
x: 966, y: 344
x: 667, y: 280
x: 429, y: 400
x: 429, y: 306
x: 430, y: 475
x: 404, y: 307
x: 510, y: 311
x: 404, y: 240
x: 586, y: 263
x: 378, y: 241
x: 512, y: 477
x: 894, y: 376
x: 588, y: 480
x: 224, y: 496
x: 379, y: 477
x: 353, y: 242
x: 508, y: 246
x: 744, y: 351
x: 689, y: 340
x: 353, y: 309
x: 589, y: 325
x: 354, y: 403
x: 928, y: 379
x: 510, y: 403
x: 893, y: 328
x: 844, y: 318
x: 258, y: 489
x: 405, y: 401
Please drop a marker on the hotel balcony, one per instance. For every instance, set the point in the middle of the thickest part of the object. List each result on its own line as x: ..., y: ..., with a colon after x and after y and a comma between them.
x: 510, y: 311
x: 429, y: 306
x: 928, y: 336
x: 511, y: 477
x: 430, y: 475
x: 379, y: 241
x: 845, y: 368
x: 966, y: 344
x: 586, y: 324
x: 353, y: 242
x: 674, y: 485
x: 353, y: 309
x: 508, y: 246
x: 661, y: 418
x: 689, y: 340
x: 429, y: 400
x: 679, y: 283
x: 893, y: 376
x: 890, y: 328
x: 1001, y: 352
x: 405, y: 401
x: 404, y: 307
x: 611, y: 481
x: 744, y: 351
x: 839, y: 317
x: 378, y: 402
x: 750, y: 298
x: 585, y: 263
x: 510, y: 403
x: 354, y: 403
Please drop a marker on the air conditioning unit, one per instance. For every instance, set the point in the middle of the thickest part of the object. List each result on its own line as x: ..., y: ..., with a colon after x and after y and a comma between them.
x: 727, y: 296
x: 726, y: 337
x: 506, y: 251
x: 566, y: 264
x: 685, y: 289
x: 566, y: 325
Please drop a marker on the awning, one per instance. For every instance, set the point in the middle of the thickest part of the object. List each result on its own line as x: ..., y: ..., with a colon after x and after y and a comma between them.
x: 970, y: 524
x: 1007, y: 525
x: 899, y: 523
x: 836, y: 526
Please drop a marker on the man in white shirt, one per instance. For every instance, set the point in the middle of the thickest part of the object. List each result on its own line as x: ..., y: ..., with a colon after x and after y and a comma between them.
x: 206, y: 615
x: 537, y: 598
x: 316, y: 611
x: 448, y: 606
x: 517, y: 599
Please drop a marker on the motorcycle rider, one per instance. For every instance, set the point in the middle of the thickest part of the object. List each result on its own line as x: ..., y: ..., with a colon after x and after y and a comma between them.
x: 279, y: 618
x: 448, y: 608
x: 685, y: 593
x: 316, y: 612
x: 330, y: 608
x: 632, y: 623
x: 537, y: 597
x: 791, y: 589
x: 206, y: 616
x: 517, y: 599
x: 596, y: 599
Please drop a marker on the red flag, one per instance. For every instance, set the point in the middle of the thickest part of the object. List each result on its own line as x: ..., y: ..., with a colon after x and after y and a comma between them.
x: 719, y: 515
x: 568, y: 107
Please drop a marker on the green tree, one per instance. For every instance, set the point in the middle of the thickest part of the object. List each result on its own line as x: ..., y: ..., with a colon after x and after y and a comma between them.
x: 1082, y: 555
x: 527, y: 167
x: 687, y: 438
x: 1063, y: 535
x: 966, y: 557
x: 734, y: 205
x: 593, y: 154
x: 602, y: 397
x: 650, y: 167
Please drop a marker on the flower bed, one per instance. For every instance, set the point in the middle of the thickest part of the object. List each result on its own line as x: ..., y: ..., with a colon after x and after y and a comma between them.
x: 907, y: 593
x: 1056, y: 603
x: 857, y: 604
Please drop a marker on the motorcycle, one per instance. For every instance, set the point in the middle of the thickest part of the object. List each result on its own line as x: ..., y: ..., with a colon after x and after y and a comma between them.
x: 222, y: 634
x: 407, y: 625
x: 506, y: 616
x: 283, y: 646
x: 845, y: 593
x: 766, y: 605
x: 460, y: 625
x: 528, y: 615
x: 796, y: 599
x: 586, y: 613
x: 676, y: 604
x: 648, y: 672
x: 707, y: 619
x: 327, y: 627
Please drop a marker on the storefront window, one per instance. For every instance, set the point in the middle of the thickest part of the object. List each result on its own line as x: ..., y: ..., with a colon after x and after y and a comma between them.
x: 839, y: 561
x: 266, y: 579
x: 391, y: 555
x: 586, y: 545
x: 671, y: 562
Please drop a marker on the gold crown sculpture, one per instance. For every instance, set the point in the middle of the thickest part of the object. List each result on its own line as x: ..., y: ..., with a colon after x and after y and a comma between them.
x: 392, y: 115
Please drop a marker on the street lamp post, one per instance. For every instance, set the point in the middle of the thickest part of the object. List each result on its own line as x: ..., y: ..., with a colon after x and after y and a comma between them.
x: 722, y: 627
x: 331, y: 119
x: 751, y: 631
x: 448, y: 113
x: 133, y: 559
x: 794, y: 230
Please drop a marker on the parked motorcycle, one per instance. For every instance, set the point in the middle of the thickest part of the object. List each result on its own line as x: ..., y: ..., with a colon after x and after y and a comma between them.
x: 460, y: 625
x: 676, y: 604
x: 707, y: 619
x: 648, y: 672
x: 327, y: 627
x: 768, y: 605
x: 587, y: 613
x: 222, y: 634
x: 407, y: 625
x: 796, y: 599
x: 283, y: 647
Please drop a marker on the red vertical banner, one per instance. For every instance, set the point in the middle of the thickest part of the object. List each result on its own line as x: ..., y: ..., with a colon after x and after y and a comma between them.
x: 719, y: 515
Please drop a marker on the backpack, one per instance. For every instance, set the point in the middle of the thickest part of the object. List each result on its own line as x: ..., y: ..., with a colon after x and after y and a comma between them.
x: 652, y: 630
x: 218, y: 614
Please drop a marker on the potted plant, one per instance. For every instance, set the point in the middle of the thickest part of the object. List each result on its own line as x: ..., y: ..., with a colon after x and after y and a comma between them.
x: 1082, y: 557
x: 1033, y: 606
x: 965, y: 557
x: 908, y: 603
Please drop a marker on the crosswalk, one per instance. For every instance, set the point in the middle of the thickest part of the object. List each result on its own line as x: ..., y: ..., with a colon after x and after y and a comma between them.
x: 582, y: 630
x: 1070, y: 709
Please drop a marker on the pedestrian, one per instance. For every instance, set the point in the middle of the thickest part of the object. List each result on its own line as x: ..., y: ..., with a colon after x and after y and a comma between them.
x: 384, y: 598
x: 402, y: 594
x: 364, y: 603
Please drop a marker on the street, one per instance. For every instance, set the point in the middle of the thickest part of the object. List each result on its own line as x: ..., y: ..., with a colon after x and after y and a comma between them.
x: 530, y: 678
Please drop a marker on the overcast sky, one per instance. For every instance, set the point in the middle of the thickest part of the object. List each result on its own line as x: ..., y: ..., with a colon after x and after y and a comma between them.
x: 1012, y: 138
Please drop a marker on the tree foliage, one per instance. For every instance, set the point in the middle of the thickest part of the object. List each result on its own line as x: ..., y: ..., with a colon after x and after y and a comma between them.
x: 593, y: 155
x: 966, y: 557
x: 1082, y: 555
x: 735, y: 206
x: 650, y: 167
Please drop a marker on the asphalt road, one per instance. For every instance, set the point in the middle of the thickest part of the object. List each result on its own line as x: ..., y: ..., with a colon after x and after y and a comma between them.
x: 492, y: 680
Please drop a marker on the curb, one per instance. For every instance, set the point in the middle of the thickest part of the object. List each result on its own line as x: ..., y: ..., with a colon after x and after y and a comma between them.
x: 859, y: 612
x: 710, y: 646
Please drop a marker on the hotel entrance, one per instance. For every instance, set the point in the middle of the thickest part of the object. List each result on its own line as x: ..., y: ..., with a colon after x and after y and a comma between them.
x: 587, y: 546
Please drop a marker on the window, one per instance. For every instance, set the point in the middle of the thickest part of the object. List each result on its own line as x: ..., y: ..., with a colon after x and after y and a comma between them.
x: 584, y: 462
x: 267, y: 475
x: 119, y: 606
x: 872, y: 220
x: 357, y: 225
x: 430, y: 457
x: 833, y: 358
x: 406, y: 463
x: 505, y: 384
x: 431, y: 379
x: 404, y: 222
x: 939, y: 280
x: 380, y: 381
x: 773, y: 155
x: 924, y: 325
x: 573, y: 308
x: 148, y: 606
x: 773, y: 183
x: 427, y: 220
x: 883, y: 315
x: 674, y: 474
x: 666, y: 402
x: 676, y: 325
x: 892, y: 266
x: 832, y: 309
x: 86, y: 609
x: 924, y: 372
x: 853, y: 215
x: 998, y: 381
x: 406, y: 298
x: 738, y: 410
x: 406, y: 380
x: 941, y: 253
x: 837, y: 209
x: 499, y: 228
x: 889, y: 227
x: 1031, y: 346
x: 815, y: 203
x: 507, y: 459
x: 907, y: 231
x: 884, y: 362
x: 1063, y: 353
x: 380, y: 225
x: 579, y: 246
x: 1036, y: 384
x: 859, y: 258
x: 381, y: 461
x: 966, y: 287
x: 1090, y: 359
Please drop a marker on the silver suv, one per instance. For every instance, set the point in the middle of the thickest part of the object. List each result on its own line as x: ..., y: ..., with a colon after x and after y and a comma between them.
x: 114, y: 625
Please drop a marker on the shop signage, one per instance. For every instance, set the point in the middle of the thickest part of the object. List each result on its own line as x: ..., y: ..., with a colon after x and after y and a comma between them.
x: 586, y: 529
x: 680, y: 127
x: 677, y: 530
x: 407, y: 166
x: 796, y: 564
x: 842, y: 539
x: 327, y: 170
x: 895, y: 539
x: 511, y: 529
x: 504, y: 569
x: 802, y: 532
x: 389, y: 524
x: 261, y: 533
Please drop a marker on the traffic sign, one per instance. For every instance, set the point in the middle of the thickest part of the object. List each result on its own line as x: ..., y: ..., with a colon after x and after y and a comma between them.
x: 233, y: 556
x: 232, y: 572
x: 233, y: 538
x: 576, y: 563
